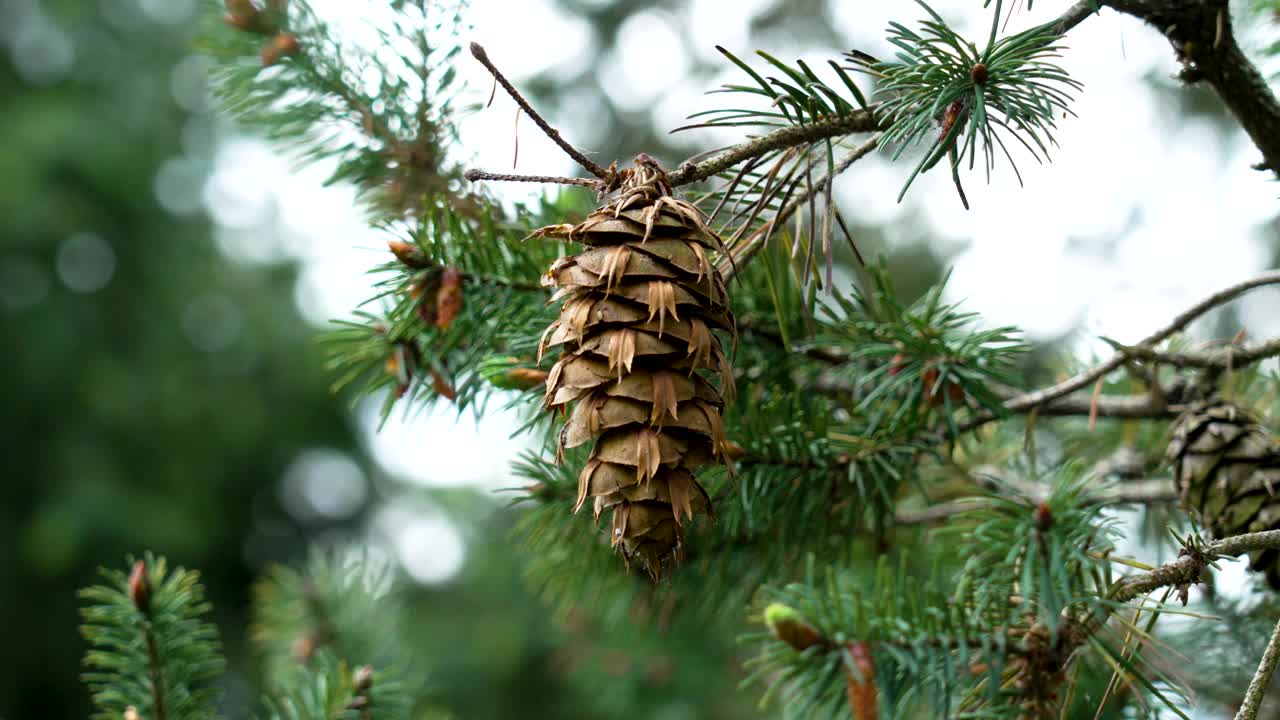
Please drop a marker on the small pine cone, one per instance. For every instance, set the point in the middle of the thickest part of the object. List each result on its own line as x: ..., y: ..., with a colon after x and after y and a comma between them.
x: 639, y: 307
x: 1227, y: 467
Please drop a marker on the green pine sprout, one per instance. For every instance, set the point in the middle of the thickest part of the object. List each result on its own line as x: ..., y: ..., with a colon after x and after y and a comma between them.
x: 942, y: 91
x: 1050, y: 551
x: 922, y: 650
x: 151, y: 645
x: 343, y: 602
x: 333, y: 689
x: 743, y: 199
x: 907, y: 362
x: 795, y: 95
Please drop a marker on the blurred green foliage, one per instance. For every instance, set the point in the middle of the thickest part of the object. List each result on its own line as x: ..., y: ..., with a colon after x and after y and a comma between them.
x: 155, y: 391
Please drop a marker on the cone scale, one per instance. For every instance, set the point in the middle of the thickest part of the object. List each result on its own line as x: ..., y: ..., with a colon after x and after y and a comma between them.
x: 636, y: 335
x: 1227, y: 467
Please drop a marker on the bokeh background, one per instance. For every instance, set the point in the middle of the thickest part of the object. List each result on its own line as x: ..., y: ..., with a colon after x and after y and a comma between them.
x: 163, y: 278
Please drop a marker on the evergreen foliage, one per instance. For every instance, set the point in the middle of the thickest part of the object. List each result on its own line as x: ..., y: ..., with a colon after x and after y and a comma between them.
x: 328, y: 639
x: 1010, y: 87
x: 152, y: 648
x: 878, y: 438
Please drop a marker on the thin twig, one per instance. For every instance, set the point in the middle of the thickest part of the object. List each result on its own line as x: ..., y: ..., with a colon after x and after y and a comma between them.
x: 1261, y: 679
x: 1220, y: 358
x: 1143, y: 492
x: 1141, y: 405
x: 1040, y: 397
x: 542, y: 124
x: 477, y: 175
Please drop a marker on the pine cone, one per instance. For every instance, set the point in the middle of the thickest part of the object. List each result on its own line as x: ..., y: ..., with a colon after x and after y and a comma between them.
x: 639, y: 307
x: 1227, y: 467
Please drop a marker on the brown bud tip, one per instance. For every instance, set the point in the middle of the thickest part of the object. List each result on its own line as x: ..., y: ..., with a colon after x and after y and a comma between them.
x: 978, y: 74
x: 658, y: 671
x: 896, y: 363
x: 409, y: 254
x: 240, y: 22
x: 304, y: 647
x: 471, y: 175
x: 140, y: 587
x: 362, y: 678
x: 248, y: 16
x: 448, y: 298
x: 277, y: 47
x: 526, y: 378
x: 241, y: 7
x: 860, y: 681
x: 928, y: 379
x: 1044, y: 517
x: 733, y: 450
x: 785, y: 624
x: 442, y: 386
x: 478, y: 52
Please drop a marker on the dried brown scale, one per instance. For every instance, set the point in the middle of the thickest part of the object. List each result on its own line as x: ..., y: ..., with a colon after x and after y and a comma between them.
x: 636, y: 337
x: 1227, y: 469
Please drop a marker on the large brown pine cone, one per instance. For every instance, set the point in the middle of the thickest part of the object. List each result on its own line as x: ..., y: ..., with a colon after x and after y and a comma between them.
x: 1227, y: 467
x: 635, y: 328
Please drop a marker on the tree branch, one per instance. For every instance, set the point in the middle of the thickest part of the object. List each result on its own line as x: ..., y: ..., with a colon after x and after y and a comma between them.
x: 1261, y: 679
x: 1187, y: 568
x: 864, y: 120
x: 1218, y: 358
x: 854, y: 122
x: 1073, y: 17
x: 1202, y: 37
x: 1030, y: 400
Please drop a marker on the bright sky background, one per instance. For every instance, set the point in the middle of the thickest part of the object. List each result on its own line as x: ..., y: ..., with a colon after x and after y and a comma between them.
x: 1141, y: 213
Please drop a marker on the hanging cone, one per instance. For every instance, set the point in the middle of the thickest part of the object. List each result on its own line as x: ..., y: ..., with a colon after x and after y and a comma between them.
x: 1227, y: 467
x: 635, y: 329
